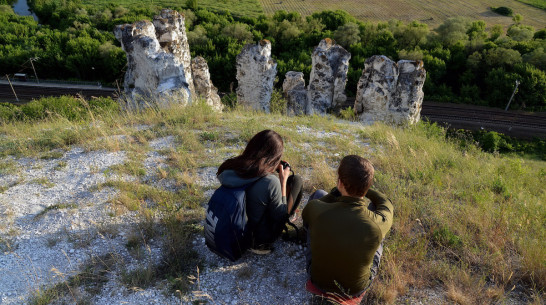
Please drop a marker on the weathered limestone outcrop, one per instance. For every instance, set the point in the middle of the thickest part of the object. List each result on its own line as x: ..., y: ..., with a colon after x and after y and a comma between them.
x: 203, y: 85
x: 407, y: 101
x: 390, y: 92
x: 256, y: 71
x: 328, y: 77
x: 170, y: 30
x: 294, y: 92
x: 375, y: 88
x: 157, y: 59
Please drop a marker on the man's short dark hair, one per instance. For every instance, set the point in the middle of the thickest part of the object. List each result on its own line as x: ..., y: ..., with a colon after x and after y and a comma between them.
x: 356, y: 174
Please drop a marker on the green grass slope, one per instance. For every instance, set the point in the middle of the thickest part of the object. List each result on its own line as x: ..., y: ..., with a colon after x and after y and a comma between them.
x: 466, y: 222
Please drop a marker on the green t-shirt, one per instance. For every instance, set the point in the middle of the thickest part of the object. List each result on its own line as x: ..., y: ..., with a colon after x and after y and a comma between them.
x: 344, y: 236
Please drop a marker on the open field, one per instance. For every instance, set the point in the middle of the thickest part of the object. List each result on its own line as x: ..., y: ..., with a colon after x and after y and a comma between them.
x: 431, y: 12
x: 250, y: 8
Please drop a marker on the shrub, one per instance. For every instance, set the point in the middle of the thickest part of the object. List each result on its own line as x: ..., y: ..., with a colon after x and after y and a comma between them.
x: 491, y: 141
x: 503, y: 10
x: 446, y: 237
x: 8, y: 112
x: 278, y: 103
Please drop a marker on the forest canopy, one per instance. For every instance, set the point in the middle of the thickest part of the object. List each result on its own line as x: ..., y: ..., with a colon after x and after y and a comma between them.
x: 467, y: 61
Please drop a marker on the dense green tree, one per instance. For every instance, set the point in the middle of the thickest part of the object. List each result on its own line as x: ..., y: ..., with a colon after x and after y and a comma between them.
x: 502, y: 57
x: 452, y: 31
x: 412, y: 35
x: 536, y: 58
x: 333, y: 19
x: 238, y: 31
x: 198, y: 36
x: 347, y: 34
x: 464, y: 61
x: 520, y: 32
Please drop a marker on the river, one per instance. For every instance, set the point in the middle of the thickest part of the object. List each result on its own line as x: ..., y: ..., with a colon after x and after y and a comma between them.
x: 21, y: 8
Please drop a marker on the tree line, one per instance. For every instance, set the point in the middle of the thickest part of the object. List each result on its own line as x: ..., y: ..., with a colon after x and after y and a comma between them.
x: 466, y: 61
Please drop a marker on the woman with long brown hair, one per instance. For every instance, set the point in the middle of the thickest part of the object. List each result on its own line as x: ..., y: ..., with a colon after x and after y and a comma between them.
x: 271, y: 199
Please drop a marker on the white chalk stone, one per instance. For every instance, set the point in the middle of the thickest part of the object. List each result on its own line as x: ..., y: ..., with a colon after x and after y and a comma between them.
x: 390, y: 92
x: 256, y: 71
x: 203, y: 85
x: 294, y: 92
x: 328, y: 77
x: 159, y: 71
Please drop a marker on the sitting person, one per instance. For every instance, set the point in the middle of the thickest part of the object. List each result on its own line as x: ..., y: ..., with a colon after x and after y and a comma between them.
x: 271, y: 199
x: 345, y: 235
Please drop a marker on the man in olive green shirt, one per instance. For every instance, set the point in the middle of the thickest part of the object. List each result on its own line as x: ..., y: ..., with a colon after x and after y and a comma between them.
x: 345, y: 230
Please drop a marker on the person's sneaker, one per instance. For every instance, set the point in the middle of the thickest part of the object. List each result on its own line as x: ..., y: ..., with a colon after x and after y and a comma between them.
x: 261, y: 249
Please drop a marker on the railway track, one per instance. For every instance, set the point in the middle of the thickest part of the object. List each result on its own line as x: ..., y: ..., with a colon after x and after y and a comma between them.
x: 26, y: 92
x: 512, y: 123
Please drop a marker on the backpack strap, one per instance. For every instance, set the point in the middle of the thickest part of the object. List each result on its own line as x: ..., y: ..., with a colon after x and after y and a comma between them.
x: 286, y: 235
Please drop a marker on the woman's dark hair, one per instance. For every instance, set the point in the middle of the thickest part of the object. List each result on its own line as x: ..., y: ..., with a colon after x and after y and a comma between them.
x: 261, y: 156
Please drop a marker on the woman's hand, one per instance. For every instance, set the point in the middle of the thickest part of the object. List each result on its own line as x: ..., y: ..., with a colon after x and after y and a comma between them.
x: 283, y: 176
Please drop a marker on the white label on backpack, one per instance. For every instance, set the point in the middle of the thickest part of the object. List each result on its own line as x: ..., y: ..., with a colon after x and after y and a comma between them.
x: 210, y: 228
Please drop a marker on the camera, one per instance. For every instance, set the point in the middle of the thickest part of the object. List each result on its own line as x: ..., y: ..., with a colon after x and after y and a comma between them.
x: 284, y: 165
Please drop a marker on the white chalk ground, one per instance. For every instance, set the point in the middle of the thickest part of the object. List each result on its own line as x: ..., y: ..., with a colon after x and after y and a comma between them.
x: 47, y: 248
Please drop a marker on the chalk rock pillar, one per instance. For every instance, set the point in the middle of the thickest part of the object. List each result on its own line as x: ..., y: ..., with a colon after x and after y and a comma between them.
x: 203, y: 85
x: 405, y: 106
x: 155, y: 75
x: 330, y: 63
x: 256, y: 71
x: 390, y: 92
x: 375, y: 88
x: 171, y: 33
x: 294, y: 92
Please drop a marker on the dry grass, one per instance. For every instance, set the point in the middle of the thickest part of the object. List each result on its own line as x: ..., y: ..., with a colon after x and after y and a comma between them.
x: 432, y: 13
x: 480, y: 227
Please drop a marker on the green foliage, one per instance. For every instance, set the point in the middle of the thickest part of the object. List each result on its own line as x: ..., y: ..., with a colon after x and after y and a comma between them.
x: 7, y: 2
x: 536, y: 3
x: 491, y: 141
x: 192, y: 4
x: 541, y: 34
x: 347, y: 34
x: 348, y: 114
x: 465, y: 62
x: 238, y: 31
x: 278, y: 103
x: 446, y: 237
x: 503, y: 10
x: 453, y: 30
x: 68, y: 107
x: 334, y: 19
x: 520, y: 32
x: 502, y: 57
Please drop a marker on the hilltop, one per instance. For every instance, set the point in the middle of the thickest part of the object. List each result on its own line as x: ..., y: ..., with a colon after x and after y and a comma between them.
x: 108, y: 207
